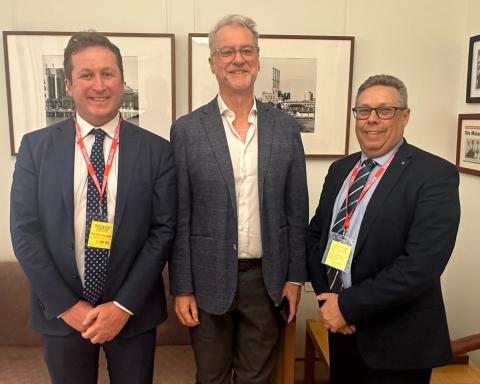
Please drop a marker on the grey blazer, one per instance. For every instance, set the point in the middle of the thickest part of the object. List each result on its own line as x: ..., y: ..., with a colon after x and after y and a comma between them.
x: 204, y: 260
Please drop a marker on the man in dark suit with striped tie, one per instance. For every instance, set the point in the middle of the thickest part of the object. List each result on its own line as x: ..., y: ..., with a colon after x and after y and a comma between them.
x: 377, y: 245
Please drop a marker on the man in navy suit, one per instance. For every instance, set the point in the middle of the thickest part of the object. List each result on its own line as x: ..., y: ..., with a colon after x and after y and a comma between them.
x: 383, y: 304
x: 125, y: 232
x: 243, y: 213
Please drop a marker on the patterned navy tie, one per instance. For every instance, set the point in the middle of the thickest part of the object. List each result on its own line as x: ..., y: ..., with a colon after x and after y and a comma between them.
x: 334, y: 276
x: 96, y: 259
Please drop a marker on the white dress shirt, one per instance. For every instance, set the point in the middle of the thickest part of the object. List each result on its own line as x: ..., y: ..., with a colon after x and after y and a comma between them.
x: 80, y: 184
x: 244, y: 157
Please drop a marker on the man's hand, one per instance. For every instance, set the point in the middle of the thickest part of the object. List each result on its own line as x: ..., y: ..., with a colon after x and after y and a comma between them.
x: 330, y: 313
x: 104, y: 322
x: 186, y: 310
x: 348, y: 329
x: 292, y: 292
x: 75, y: 316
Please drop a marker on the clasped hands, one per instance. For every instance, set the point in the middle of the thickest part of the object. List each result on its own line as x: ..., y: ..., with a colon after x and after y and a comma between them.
x: 98, y: 324
x: 331, y: 316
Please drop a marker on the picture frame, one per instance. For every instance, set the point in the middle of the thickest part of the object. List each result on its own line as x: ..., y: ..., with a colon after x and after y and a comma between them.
x: 473, y: 72
x: 468, y: 144
x: 311, y: 80
x: 36, y: 94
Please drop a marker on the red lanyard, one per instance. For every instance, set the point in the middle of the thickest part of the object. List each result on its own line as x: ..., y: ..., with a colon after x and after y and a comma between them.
x: 108, y: 164
x: 365, y: 189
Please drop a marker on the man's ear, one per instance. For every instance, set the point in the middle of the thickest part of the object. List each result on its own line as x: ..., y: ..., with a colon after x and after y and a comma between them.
x: 210, y: 62
x: 68, y: 87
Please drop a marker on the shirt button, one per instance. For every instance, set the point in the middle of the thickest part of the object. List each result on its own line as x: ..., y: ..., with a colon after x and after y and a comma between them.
x: 234, y: 247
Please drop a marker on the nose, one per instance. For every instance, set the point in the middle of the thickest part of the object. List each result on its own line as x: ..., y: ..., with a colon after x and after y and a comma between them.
x: 98, y: 83
x: 237, y: 57
x: 373, y: 117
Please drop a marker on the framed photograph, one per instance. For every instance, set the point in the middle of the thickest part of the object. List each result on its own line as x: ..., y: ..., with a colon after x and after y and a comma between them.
x: 309, y: 77
x: 35, y: 77
x: 473, y: 74
x: 468, y: 144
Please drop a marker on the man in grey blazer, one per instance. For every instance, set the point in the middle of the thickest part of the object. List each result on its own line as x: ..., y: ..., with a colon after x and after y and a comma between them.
x: 243, y: 211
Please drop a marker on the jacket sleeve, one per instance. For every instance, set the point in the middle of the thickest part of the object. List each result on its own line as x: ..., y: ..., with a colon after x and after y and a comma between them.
x: 181, y: 280
x: 28, y: 238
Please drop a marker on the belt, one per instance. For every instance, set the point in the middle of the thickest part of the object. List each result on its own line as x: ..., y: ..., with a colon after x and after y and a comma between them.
x: 246, y: 264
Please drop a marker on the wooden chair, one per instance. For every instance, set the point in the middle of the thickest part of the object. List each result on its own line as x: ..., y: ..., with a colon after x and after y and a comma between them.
x: 461, y: 371
x: 284, y: 372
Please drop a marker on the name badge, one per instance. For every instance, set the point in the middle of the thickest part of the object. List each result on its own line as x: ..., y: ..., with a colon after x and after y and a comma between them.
x: 338, y: 252
x: 101, y: 234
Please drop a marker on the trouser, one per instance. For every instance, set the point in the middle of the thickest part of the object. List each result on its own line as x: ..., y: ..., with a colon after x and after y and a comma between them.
x: 72, y: 359
x: 240, y: 346
x: 347, y: 366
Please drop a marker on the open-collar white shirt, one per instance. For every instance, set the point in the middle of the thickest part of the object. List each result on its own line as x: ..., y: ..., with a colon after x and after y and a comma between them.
x: 244, y: 157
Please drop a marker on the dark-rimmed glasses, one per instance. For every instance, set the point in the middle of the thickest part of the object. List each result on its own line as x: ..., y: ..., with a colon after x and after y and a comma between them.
x: 384, y: 113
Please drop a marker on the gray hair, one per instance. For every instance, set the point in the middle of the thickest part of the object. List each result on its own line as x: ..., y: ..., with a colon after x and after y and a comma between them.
x: 388, y: 81
x: 241, y: 20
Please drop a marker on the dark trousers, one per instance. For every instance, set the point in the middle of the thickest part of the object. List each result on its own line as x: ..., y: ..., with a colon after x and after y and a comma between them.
x: 241, y: 345
x: 347, y: 366
x: 73, y: 360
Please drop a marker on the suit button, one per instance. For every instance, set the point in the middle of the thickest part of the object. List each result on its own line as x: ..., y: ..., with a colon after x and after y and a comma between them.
x: 74, y: 277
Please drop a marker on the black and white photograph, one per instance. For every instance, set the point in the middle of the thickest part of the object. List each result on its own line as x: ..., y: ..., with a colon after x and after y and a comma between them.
x: 36, y: 93
x: 311, y: 81
x: 473, y: 73
x: 472, y: 150
x: 289, y: 84
x: 468, y: 144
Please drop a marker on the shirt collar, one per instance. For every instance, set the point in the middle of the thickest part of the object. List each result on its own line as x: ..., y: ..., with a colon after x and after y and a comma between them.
x: 383, y: 159
x: 86, y: 127
x: 224, y: 110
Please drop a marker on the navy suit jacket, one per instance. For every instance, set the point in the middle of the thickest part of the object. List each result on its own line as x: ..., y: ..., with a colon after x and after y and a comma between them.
x: 205, y: 258
x: 42, y: 225
x: 405, y: 241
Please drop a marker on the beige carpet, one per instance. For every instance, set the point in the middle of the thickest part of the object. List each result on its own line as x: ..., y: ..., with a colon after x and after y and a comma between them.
x: 173, y: 365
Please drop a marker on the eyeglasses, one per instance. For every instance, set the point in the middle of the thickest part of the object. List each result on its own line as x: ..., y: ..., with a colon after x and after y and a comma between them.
x: 228, y: 53
x: 384, y: 113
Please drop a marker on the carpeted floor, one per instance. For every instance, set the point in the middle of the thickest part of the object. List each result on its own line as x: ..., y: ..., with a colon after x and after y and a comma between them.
x: 173, y: 365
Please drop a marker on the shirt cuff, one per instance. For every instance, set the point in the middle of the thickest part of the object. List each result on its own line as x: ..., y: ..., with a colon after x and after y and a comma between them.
x: 296, y: 283
x: 123, y: 308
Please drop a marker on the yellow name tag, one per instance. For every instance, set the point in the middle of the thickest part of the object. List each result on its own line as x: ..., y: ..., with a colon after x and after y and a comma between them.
x: 338, y: 255
x: 100, y: 235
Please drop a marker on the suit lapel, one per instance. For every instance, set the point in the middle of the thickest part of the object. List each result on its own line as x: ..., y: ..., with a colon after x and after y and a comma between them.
x: 64, y: 152
x: 383, y: 190
x: 265, y: 132
x: 213, y: 126
x: 129, y: 146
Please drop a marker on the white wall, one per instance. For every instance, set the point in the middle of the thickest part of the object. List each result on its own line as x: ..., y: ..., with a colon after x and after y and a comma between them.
x: 424, y: 42
x: 460, y: 282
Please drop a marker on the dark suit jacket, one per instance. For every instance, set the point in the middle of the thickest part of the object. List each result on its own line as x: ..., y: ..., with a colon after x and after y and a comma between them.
x: 407, y: 235
x: 42, y: 226
x: 204, y: 260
